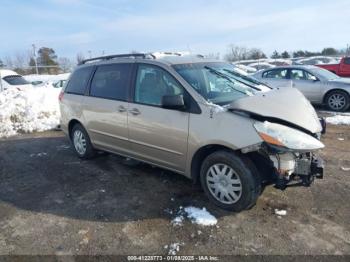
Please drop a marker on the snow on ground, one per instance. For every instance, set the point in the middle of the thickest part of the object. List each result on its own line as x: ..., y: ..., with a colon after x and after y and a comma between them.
x: 345, y: 168
x: 280, y: 212
x: 173, y: 248
x: 196, y: 215
x: 341, y: 119
x: 200, y: 216
x: 28, y: 110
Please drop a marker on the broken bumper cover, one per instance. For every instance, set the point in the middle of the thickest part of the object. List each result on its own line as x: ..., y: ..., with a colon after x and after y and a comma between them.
x: 306, y: 170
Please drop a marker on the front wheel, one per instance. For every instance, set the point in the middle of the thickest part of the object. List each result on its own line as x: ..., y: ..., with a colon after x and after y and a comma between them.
x: 230, y: 181
x: 338, y: 101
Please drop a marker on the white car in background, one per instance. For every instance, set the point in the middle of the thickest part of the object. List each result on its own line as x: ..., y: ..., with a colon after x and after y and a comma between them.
x: 10, y: 79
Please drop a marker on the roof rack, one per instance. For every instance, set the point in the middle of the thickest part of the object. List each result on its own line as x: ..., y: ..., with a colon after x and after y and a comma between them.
x: 109, y: 57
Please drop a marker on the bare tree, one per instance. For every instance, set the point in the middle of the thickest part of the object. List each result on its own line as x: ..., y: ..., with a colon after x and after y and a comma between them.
x: 8, y: 62
x: 236, y: 53
x: 213, y: 56
x: 65, y: 64
x: 80, y: 57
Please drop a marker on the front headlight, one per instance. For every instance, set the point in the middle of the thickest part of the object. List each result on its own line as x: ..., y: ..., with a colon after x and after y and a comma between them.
x: 283, y: 136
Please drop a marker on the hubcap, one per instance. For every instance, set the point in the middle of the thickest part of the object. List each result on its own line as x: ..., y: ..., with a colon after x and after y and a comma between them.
x: 337, y: 101
x: 224, y: 184
x: 79, y: 142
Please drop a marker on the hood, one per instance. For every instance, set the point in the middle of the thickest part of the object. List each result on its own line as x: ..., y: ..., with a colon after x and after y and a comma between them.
x: 286, y: 105
x: 341, y: 81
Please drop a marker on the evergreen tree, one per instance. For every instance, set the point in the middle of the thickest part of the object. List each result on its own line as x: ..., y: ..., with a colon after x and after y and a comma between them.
x: 285, y: 54
x: 329, y: 51
x: 47, y: 57
x: 275, y: 55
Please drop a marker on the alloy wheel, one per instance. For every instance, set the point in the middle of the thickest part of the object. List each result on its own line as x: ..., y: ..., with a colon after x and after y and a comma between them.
x: 337, y: 101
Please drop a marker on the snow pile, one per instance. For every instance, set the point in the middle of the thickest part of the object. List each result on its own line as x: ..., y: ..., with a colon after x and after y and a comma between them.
x: 343, y: 119
x: 27, y: 110
x: 200, y: 216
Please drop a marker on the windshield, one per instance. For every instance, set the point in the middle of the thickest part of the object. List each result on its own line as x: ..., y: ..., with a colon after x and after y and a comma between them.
x: 324, y: 73
x: 248, y: 80
x: 15, y: 80
x: 214, y: 81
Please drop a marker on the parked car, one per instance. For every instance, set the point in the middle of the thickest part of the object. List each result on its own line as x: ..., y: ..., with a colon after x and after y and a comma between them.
x: 317, y: 84
x: 341, y: 69
x: 10, y: 79
x: 189, y: 115
x: 59, y: 83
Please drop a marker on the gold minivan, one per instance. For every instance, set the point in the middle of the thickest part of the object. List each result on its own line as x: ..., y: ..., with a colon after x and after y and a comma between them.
x: 196, y: 117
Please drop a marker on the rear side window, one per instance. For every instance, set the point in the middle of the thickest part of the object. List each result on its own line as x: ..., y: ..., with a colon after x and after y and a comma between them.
x: 15, y: 80
x: 276, y: 74
x: 347, y: 60
x: 77, y: 83
x: 111, y: 81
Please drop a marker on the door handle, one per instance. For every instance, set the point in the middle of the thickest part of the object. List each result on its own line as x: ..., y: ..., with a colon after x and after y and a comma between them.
x: 121, y: 109
x: 135, y: 111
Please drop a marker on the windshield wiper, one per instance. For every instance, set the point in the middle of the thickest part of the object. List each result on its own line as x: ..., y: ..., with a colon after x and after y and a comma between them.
x: 235, y: 77
x: 224, y: 76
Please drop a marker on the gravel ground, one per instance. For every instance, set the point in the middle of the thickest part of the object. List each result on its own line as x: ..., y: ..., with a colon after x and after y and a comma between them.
x: 53, y: 203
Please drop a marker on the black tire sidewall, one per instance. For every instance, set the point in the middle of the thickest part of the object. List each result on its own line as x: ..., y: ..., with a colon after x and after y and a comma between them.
x: 347, y: 100
x: 89, y: 152
x: 248, y: 175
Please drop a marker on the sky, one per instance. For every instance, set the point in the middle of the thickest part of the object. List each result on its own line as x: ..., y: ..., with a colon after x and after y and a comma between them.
x: 198, y: 26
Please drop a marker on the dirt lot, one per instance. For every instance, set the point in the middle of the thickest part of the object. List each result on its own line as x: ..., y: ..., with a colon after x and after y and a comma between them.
x: 53, y: 203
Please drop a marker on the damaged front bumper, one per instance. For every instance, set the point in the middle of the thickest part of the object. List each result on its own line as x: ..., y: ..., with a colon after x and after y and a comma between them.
x: 292, y: 169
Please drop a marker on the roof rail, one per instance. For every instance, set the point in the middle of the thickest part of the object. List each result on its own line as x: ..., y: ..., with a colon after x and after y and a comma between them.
x: 109, y: 57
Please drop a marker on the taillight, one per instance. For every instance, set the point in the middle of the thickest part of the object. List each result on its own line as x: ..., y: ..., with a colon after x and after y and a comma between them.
x: 60, y: 96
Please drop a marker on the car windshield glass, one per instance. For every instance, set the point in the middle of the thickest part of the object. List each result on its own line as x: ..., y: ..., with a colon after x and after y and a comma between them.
x: 324, y: 73
x: 15, y: 80
x: 246, y: 79
x: 215, y: 84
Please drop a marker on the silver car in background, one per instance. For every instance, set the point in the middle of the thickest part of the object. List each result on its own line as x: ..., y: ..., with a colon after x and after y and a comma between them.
x: 318, y: 85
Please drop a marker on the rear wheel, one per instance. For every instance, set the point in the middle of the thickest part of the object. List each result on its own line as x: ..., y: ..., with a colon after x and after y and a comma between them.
x: 230, y: 181
x: 81, y: 142
x: 338, y: 100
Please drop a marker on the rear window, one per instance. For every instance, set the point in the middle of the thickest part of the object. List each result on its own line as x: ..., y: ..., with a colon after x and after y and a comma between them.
x: 15, y: 80
x: 347, y: 60
x: 78, y: 81
x: 111, y: 81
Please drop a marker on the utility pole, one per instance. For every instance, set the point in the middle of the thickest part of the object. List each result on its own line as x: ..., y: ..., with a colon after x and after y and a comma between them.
x: 89, y: 53
x: 36, y: 64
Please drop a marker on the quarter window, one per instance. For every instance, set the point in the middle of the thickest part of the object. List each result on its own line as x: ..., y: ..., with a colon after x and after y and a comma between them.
x: 152, y: 83
x: 276, y: 74
x: 111, y: 81
x: 78, y: 81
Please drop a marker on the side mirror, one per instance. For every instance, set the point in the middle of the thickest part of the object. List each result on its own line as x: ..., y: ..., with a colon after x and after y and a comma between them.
x: 173, y: 102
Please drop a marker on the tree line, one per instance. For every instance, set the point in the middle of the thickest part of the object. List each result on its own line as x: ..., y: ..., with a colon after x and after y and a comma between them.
x: 239, y: 53
x: 45, y: 60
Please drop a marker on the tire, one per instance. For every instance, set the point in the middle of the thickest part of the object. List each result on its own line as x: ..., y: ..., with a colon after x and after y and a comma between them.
x: 338, y: 100
x: 240, y: 182
x: 81, y: 142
